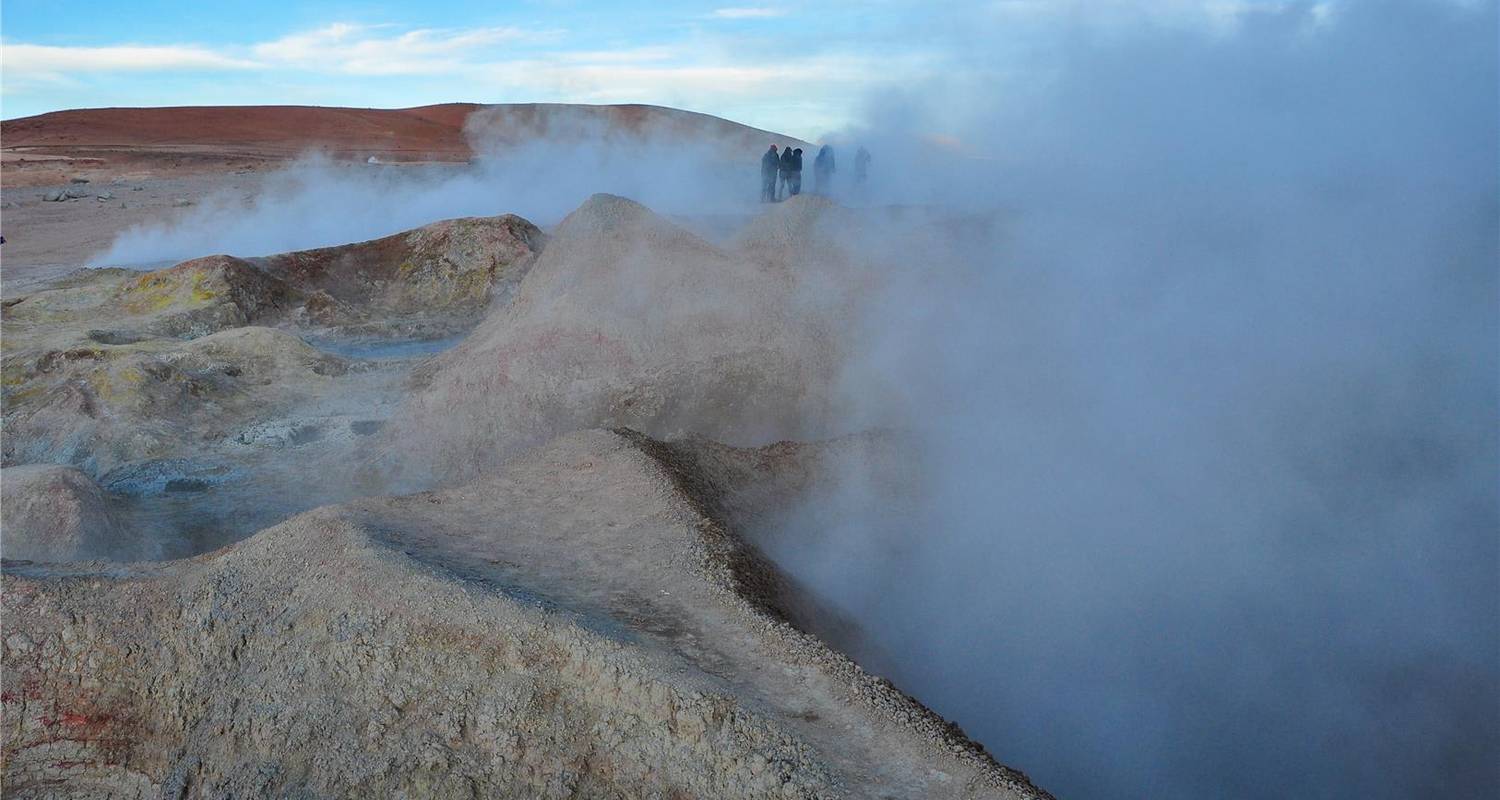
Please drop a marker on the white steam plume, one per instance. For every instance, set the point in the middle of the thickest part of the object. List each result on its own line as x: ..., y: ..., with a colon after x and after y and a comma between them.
x: 540, y: 165
x: 1210, y: 431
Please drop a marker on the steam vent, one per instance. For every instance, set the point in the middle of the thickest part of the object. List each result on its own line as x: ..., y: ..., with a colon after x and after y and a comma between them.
x: 473, y: 510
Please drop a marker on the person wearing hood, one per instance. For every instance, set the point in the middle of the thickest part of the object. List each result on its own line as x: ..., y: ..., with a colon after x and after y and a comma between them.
x: 785, y: 169
x: 823, y: 171
x: 770, y: 165
x: 794, y: 183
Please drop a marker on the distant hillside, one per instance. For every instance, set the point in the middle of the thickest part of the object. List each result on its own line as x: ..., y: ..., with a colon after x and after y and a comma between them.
x: 426, y: 133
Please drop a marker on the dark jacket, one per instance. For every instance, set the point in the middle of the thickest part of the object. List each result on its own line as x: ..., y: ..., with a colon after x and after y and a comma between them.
x: 824, y: 162
x: 797, y: 160
x: 786, y: 160
x: 769, y: 163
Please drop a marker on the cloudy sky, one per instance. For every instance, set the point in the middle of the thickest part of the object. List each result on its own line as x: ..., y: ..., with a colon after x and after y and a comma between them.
x: 802, y: 69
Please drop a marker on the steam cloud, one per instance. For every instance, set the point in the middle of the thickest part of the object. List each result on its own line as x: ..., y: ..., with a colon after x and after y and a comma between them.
x: 674, y: 168
x: 1209, y: 500
x: 1207, y: 504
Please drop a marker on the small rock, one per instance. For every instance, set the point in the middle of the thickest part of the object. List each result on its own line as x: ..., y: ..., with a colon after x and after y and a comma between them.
x: 182, y: 202
x: 106, y: 196
x: 75, y: 193
x: 78, y: 180
x: 137, y: 188
x: 55, y: 196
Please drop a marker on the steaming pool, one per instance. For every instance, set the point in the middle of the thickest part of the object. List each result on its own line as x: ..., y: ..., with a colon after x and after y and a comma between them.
x: 382, y: 349
x: 300, y: 458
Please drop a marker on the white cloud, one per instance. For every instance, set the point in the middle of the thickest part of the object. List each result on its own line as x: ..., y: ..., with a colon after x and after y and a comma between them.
x: 498, y: 63
x: 342, y: 48
x: 632, y: 55
x: 759, y: 12
x: 31, y: 60
x: 364, y: 50
x: 1215, y: 16
x: 801, y: 95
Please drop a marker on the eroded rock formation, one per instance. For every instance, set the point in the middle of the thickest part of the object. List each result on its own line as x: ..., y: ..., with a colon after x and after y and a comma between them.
x: 577, y: 610
x: 57, y: 513
x: 630, y: 320
x: 113, y: 366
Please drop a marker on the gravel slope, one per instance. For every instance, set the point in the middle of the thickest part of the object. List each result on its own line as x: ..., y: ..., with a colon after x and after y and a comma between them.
x: 574, y: 626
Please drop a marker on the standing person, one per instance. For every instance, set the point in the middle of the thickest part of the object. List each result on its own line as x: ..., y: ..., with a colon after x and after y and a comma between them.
x: 794, y: 185
x: 770, y: 164
x: 861, y: 165
x: 785, y: 168
x: 823, y: 171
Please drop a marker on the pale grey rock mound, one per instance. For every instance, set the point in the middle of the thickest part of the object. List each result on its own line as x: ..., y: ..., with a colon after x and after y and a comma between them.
x: 201, y: 296
x: 748, y: 487
x: 629, y: 320
x: 790, y: 499
x: 575, y: 625
x: 106, y: 367
x: 792, y: 225
x: 99, y: 406
x: 56, y: 513
x: 443, y: 273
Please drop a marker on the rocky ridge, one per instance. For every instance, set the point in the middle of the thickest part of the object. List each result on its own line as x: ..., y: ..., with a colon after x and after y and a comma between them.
x: 596, y: 635
x: 578, y: 610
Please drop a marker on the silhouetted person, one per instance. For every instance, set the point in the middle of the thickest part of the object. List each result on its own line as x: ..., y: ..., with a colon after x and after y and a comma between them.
x: 785, y: 169
x: 861, y: 165
x: 770, y: 164
x: 823, y: 171
x: 794, y: 183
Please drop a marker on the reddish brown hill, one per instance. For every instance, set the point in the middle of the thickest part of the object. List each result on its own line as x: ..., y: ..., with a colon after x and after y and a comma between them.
x: 426, y: 132
x: 165, y: 142
x: 433, y: 131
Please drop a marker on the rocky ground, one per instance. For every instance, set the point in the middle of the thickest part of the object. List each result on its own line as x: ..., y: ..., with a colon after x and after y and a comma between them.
x: 162, y: 384
x: 108, y: 170
x: 45, y: 239
x: 469, y: 510
x: 577, y: 625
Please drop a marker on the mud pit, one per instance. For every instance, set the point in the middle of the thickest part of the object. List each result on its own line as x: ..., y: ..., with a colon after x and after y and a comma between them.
x: 535, y: 568
x: 201, y: 396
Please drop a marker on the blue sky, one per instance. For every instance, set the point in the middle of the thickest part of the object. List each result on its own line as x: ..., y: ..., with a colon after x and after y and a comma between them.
x: 803, y: 69
x: 727, y: 59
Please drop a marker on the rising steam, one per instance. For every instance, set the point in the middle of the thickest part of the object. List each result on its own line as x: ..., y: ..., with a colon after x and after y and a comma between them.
x: 1210, y: 499
x: 540, y: 166
x: 1207, y: 500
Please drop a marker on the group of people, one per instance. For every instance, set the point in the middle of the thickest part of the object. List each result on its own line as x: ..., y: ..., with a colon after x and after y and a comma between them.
x: 781, y: 173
